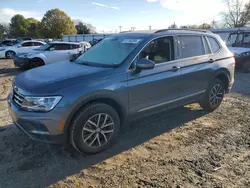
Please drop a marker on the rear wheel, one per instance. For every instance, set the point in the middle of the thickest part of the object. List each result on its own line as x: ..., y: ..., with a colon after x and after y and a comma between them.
x: 246, y: 67
x: 94, y: 128
x: 213, y: 96
x: 35, y: 62
x: 10, y: 54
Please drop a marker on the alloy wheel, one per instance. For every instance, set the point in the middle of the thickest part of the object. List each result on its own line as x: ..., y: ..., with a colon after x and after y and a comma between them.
x: 98, y: 130
x: 10, y: 55
x: 35, y: 63
x: 216, y: 95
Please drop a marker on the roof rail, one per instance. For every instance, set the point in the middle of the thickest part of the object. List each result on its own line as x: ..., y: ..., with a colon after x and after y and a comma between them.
x: 197, y: 30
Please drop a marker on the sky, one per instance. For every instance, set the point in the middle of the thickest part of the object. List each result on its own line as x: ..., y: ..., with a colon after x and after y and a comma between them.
x: 108, y: 15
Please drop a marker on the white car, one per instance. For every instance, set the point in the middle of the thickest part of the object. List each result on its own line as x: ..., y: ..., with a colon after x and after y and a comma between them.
x: 49, y: 53
x: 22, y: 47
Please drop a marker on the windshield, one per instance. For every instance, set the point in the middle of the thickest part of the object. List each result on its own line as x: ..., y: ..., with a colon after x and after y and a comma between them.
x: 44, y: 47
x: 110, y: 51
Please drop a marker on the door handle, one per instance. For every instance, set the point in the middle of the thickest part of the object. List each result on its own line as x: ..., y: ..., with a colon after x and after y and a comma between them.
x: 211, y: 60
x: 175, y: 68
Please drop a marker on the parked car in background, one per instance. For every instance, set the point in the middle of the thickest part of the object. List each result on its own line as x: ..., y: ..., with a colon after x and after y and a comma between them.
x: 239, y: 43
x: 7, y: 42
x: 86, y: 44
x: 21, y: 39
x: 49, y: 53
x: 122, y: 78
x: 22, y: 47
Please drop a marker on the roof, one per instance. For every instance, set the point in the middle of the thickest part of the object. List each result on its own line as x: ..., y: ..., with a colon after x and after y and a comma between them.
x: 165, y: 31
x: 61, y: 42
x: 32, y: 41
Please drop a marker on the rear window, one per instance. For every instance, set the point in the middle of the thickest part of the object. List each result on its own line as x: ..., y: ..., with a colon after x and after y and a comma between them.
x: 75, y: 46
x: 191, y: 46
x: 26, y: 44
x: 37, y: 44
x: 62, y: 46
x: 213, y: 44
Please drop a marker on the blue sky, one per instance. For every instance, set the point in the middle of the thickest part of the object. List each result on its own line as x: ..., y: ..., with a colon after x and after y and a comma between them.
x: 108, y: 15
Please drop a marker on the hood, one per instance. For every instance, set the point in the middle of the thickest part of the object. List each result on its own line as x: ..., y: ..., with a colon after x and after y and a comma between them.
x: 54, y: 77
x: 238, y: 50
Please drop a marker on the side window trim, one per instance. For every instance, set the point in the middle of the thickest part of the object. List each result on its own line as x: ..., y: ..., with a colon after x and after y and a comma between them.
x: 208, y: 43
x: 205, y: 42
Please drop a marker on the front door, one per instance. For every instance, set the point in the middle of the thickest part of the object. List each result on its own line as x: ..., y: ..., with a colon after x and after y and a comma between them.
x: 153, y: 90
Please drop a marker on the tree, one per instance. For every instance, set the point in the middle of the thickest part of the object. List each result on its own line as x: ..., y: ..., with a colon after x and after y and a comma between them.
x: 2, y: 31
x: 189, y: 27
x: 205, y: 26
x: 18, y: 26
x: 173, y: 26
x: 56, y: 23
x: 33, y: 27
x: 237, y: 14
x: 82, y: 29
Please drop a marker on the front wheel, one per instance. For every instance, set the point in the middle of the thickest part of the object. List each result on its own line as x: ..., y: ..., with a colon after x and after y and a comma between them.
x: 213, y: 96
x: 10, y: 54
x: 94, y: 128
x: 35, y: 62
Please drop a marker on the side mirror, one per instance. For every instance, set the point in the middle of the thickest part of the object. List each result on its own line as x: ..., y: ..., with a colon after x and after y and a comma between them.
x: 19, y: 46
x: 144, y: 64
x: 51, y: 49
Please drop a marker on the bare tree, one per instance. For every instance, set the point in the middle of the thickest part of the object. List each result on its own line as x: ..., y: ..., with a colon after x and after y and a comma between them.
x: 237, y: 14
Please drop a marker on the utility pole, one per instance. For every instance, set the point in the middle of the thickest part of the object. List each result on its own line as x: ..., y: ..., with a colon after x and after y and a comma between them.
x: 213, y: 24
x: 150, y: 27
x: 174, y: 25
x: 120, y: 27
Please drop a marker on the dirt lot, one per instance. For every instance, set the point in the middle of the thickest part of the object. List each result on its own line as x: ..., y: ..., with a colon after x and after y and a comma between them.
x: 184, y: 147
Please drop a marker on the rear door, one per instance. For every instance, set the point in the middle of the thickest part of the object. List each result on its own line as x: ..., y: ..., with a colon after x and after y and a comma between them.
x: 61, y: 52
x: 195, y: 55
x: 37, y: 44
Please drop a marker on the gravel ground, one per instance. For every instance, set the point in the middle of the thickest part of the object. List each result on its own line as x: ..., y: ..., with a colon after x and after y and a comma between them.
x: 184, y: 147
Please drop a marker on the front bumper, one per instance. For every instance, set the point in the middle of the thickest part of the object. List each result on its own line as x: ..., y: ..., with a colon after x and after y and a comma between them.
x: 2, y: 54
x: 38, y: 126
x: 21, y: 62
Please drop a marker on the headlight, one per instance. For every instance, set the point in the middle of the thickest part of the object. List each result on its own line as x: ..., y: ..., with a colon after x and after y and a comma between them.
x: 2, y: 49
x: 41, y: 104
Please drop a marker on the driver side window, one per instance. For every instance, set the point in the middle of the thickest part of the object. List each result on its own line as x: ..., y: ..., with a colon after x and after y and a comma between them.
x: 159, y: 50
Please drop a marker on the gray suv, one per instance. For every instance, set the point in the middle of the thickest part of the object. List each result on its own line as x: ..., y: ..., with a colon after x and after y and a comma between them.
x: 124, y: 77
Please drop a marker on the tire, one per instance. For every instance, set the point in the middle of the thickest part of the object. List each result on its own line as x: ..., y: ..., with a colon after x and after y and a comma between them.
x: 89, y: 136
x: 35, y: 62
x: 213, y: 96
x: 246, y: 67
x: 10, y: 54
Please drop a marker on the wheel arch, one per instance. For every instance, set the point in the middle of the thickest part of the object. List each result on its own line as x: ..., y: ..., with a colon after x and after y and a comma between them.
x: 102, y: 98
x: 36, y: 57
x: 223, y: 75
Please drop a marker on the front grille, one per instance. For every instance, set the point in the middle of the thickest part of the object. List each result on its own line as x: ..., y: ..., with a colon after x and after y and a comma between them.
x: 17, y: 98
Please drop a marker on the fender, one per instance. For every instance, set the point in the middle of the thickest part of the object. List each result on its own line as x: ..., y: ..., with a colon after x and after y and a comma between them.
x: 95, y: 96
x: 223, y: 71
x: 41, y: 56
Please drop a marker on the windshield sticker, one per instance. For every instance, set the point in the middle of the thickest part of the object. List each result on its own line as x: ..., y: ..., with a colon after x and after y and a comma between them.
x: 131, y: 41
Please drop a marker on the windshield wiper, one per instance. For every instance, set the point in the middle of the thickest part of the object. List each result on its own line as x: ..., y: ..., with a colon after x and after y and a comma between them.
x: 92, y: 64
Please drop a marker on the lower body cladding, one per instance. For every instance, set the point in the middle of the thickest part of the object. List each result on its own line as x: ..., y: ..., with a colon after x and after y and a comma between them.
x: 21, y: 62
x: 46, y: 127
